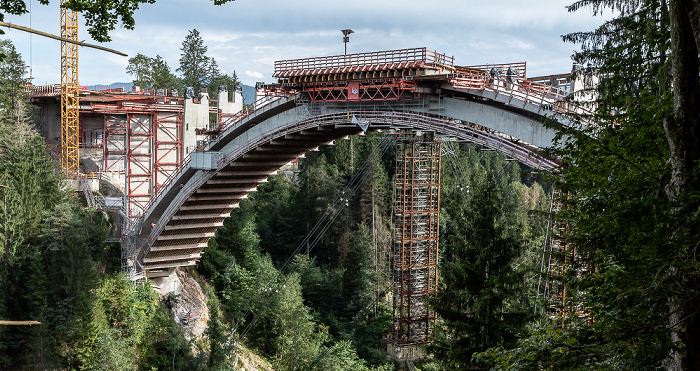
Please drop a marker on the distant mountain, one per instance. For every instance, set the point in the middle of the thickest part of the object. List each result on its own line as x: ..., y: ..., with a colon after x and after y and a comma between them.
x: 248, y: 91
x: 126, y: 85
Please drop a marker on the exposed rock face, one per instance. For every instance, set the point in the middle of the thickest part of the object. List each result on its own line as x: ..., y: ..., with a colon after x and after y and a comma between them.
x: 192, y: 314
x: 190, y: 308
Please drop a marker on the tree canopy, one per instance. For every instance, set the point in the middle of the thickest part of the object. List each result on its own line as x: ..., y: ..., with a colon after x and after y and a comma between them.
x: 101, y: 16
x: 630, y: 201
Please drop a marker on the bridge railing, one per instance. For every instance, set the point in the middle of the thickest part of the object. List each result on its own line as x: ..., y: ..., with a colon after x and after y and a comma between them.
x: 43, y: 90
x: 417, y: 56
x: 542, y: 95
x: 258, y: 106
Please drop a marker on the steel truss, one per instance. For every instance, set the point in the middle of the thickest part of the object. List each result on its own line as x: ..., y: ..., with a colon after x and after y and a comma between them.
x: 417, y: 209
x: 69, y: 94
x: 168, y: 146
x: 387, y: 90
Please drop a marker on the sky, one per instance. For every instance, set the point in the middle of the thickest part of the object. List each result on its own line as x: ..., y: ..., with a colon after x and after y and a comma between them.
x: 249, y: 35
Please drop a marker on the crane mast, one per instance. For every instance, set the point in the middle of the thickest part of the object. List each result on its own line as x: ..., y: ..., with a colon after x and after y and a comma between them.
x: 69, y: 93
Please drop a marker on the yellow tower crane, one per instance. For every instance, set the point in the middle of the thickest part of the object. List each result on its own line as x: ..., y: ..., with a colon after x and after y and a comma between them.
x: 69, y: 93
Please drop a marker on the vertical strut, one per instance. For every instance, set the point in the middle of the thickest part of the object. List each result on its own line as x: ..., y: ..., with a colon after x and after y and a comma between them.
x: 69, y: 93
x: 416, y: 237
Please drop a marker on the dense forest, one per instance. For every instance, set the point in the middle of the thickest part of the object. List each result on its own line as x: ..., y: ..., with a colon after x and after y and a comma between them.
x: 628, y: 191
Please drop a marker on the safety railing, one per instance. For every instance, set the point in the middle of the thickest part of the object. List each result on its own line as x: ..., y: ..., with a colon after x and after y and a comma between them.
x: 413, y: 56
x: 547, y: 96
x: 43, y: 90
x: 518, y: 69
x: 230, y: 120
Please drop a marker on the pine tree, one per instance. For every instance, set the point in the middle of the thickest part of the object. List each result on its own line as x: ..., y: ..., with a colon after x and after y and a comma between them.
x: 163, y: 78
x: 12, y: 76
x: 195, y: 66
x: 477, y: 302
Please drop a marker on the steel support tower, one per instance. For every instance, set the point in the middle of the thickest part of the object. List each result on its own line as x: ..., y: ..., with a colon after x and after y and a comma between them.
x: 564, y: 264
x: 69, y: 93
x: 417, y: 211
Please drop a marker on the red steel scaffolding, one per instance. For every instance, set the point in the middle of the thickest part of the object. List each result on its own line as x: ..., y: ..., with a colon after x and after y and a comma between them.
x: 417, y: 210
x: 142, y: 145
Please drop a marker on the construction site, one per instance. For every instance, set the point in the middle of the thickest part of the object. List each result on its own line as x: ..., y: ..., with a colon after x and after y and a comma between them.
x: 129, y: 153
x: 171, y: 168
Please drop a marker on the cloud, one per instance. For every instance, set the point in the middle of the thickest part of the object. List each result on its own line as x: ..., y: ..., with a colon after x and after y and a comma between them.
x: 254, y: 74
x: 249, y: 35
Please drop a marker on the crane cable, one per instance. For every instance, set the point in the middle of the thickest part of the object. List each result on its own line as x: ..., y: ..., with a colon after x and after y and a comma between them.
x: 80, y: 43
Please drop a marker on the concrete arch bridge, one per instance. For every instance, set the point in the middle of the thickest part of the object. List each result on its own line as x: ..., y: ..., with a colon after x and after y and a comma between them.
x: 320, y: 100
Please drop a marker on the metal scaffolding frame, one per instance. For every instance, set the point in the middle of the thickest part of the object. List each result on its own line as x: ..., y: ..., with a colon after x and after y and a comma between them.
x: 417, y: 211
x: 114, y: 144
x: 167, y: 142
x: 139, y: 162
x: 382, y: 90
x: 69, y: 94
x: 563, y: 260
x: 143, y: 146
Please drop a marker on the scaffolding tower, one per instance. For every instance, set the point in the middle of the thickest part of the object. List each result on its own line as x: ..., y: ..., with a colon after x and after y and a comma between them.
x: 564, y: 264
x: 69, y: 93
x: 417, y: 210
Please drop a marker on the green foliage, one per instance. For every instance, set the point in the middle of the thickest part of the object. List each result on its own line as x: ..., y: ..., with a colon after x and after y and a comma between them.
x: 162, y: 76
x: 164, y: 345
x: 16, y: 7
x: 622, y: 217
x: 278, y: 222
x: 140, y: 67
x: 102, y: 16
x: 358, y: 281
x: 195, y: 66
x: 151, y: 73
x: 30, y: 182
x: 12, y: 76
x: 52, y: 261
x: 480, y: 302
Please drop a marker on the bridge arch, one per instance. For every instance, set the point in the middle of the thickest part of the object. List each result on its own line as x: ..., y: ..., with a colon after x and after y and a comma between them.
x: 180, y: 220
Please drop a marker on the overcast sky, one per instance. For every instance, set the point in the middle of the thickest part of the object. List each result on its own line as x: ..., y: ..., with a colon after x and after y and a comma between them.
x: 249, y: 35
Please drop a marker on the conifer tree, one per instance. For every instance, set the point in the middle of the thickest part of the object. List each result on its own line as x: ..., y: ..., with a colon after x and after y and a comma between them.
x: 163, y: 78
x: 631, y: 186
x: 477, y: 301
x: 195, y: 65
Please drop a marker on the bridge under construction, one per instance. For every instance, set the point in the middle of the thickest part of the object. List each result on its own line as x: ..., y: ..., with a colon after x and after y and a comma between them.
x: 174, y: 174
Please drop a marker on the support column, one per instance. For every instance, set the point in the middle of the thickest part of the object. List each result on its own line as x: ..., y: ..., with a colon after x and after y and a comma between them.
x: 417, y: 210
